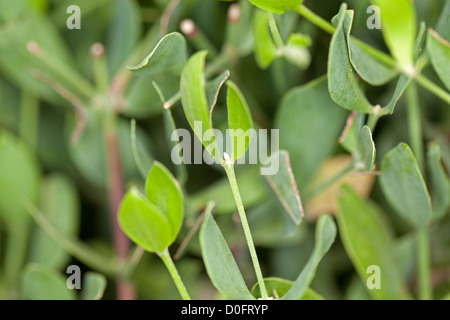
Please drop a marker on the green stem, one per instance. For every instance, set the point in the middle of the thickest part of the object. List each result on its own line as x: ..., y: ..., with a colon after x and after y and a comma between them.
x: 423, y: 260
x: 165, y: 257
x: 315, y: 19
x: 328, y: 27
x: 229, y: 168
x: 433, y: 88
x: 330, y: 181
x: 77, y: 249
x: 274, y: 30
x: 381, y: 56
x: 415, y: 136
x: 373, y: 120
x: 414, y: 124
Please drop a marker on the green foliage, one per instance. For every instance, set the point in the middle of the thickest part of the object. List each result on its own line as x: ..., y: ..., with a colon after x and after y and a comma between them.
x: 219, y: 262
x: 368, y: 242
x: 398, y: 24
x: 153, y: 221
x: 343, y: 86
x: 239, y: 120
x: 41, y: 283
x: 308, y: 118
x: 277, y: 6
x: 404, y: 187
x: 94, y: 286
x: 325, y: 235
x: 85, y: 112
x: 439, y: 51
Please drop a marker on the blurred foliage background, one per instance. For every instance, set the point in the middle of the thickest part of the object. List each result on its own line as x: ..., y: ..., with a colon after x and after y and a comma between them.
x: 65, y: 112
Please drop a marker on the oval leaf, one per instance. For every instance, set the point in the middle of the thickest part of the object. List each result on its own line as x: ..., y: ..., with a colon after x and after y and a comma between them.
x: 440, y: 183
x: 368, y: 242
x: 143, y: 222
x: 368, y: 66
x: 193, y: 95
x: 169, y: 56
x: 308, y: 118
x: 240, y: 121
x: 277, y: 6
x: 265, y: 49
x: 365, y: 155
x: 94, y: 285
x: 439, y: 51
x: 220, y: 264
x: 398, y: 25
x: 342, y: 83
x: 42, y: 283
x: 403, y: 186
x: 164, y: 192
x: 19, y: 180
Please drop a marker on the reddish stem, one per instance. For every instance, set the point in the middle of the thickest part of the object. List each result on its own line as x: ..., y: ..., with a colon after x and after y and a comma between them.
x: 125, y: 289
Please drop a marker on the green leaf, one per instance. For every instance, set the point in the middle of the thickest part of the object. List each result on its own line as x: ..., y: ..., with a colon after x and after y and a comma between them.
x: 60, y: 206
x: 240, y: 121
x: 342, y: 83
x: 94, y: 285
x: 164, y: 192
x: 403, y: 186
x: 123, y: 33
x: 220, y: 264
x: 368, y: 242
x: 265, y: 48
x: 402, y: 84
x: 169, y: 56
x: 308, y: 118
x: 371, y: 70
x: 239, y: 33
x: 440, y: 183
x: 213, y: 88
x: 443, y: 25
x: 19, y: 181
x: 144, y: 223
x: 281, y: 287
x: 295, y: 54
x: 193, y: 96
x: 285, y: 188
x: 398, y: 25
x: 325, y: 235
x: 439, y: 51
x: 351, y: 140
x: 277, y: 6
x: 299, y: 39
x: 42, y: 283
x: 365, y: 155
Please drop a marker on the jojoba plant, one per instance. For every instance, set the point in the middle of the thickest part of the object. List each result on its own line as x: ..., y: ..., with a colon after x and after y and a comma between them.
x: 137, y: 147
